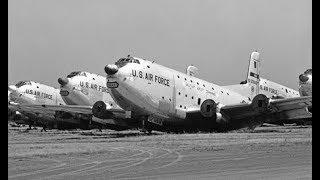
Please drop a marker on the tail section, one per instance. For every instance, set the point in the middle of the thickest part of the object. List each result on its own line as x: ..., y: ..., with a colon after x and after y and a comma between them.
x: 253, y: 76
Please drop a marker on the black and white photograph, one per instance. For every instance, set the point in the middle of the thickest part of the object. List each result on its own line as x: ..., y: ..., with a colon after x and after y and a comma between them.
x: 159, y: 89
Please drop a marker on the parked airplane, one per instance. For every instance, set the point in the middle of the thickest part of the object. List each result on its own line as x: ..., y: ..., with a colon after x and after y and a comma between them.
x: 27, y: 96
x: 269, y: 88
x: 165, y: 99
x: 274, y: 90
x: 80, y: 90
x: 305, y: 83
x: 29, y: 92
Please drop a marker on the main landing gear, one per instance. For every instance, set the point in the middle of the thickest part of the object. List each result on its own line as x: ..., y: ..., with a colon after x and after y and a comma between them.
x: 44, y: 128
x: 144, y: 125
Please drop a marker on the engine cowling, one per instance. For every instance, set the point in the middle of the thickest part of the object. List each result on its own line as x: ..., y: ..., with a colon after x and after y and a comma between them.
x: 260, y: 103
x: 209, y: 109
x: 99, y: 110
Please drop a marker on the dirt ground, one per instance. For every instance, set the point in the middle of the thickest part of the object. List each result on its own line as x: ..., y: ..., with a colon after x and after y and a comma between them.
x: 265, y: 153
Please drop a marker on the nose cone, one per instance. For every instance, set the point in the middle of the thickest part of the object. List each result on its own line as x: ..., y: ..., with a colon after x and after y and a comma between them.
x: 111, y: 69
x: 63, y: 81
x: 12, y: 88
x: 13, y: 93
x: 303, y: 78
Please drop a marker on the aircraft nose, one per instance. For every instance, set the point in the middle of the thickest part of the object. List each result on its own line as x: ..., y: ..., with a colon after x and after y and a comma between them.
x: 13, y: 92
x: 303, y: 78
x: 111, y: 69
x: 12, y: 88
x: 63, y: 81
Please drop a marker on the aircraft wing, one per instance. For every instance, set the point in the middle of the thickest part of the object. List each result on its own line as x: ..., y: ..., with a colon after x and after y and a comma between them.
x: 29, y: 109
x: 64, y: 108
x: 74, y: 109
x: 263, y: 109
x: 293, y: 108
x: 289, y: 108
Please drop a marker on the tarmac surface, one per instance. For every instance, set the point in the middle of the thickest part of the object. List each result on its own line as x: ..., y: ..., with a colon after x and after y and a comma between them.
x: 265, y: 153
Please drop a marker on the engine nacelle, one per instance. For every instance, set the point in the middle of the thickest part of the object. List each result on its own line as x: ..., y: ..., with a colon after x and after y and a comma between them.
x: 260, y: 103
x: 209, y: 109
x: 99, y: 110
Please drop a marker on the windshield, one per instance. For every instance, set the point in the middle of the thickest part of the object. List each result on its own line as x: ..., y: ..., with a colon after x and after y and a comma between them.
x: 73, y: 74
x: 123, y: 61
x: 308, y: 71
x: 22, y: 83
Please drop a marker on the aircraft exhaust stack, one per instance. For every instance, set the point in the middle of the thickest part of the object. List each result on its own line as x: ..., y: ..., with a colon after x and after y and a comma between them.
x: 111, y: 69
x: 63, y: 81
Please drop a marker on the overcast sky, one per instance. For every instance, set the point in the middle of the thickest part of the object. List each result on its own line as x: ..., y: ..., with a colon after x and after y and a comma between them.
x: 48, y: 39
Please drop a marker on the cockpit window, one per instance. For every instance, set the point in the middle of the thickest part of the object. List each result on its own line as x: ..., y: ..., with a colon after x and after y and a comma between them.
x: 123, y: 61
x: 83, y: 74
x: 73, y: 74
x: 22, y: 83
x: 308, y: 71
x: 136, y: 61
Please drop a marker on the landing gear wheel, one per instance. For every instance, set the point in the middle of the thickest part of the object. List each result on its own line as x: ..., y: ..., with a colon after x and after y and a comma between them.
x: 145, y: 128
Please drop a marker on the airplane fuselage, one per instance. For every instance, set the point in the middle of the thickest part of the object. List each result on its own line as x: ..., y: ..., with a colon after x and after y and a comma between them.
x: 32, y: 93
x: 35, y: 93
x: 270, y: 89
x: 165, y: 95
x: 85, y: 89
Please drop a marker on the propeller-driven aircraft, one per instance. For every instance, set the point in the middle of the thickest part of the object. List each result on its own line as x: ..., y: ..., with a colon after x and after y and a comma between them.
x: 29, y: 98
x: 269, y: 88
x: 26, y: 93
x: 168, y: 100
x: 305, y: 83
x: 80, y: 90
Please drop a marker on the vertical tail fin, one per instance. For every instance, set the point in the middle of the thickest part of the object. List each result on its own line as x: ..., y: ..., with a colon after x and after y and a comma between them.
x: 253, y: 76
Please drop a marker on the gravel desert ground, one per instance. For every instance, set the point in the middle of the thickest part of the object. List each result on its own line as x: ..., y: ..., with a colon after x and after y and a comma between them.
x: 265, y: 153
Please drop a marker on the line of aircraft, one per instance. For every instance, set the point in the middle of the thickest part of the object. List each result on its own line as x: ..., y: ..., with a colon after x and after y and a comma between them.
x: 140, y: 94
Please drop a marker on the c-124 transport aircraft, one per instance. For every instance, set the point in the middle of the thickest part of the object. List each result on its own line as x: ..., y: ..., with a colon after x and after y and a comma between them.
x: 29, y: 93
x: 169, y: 100
x: 31, y: 99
